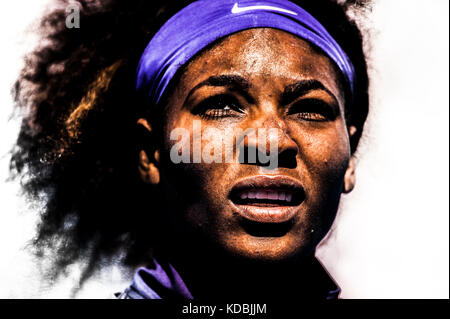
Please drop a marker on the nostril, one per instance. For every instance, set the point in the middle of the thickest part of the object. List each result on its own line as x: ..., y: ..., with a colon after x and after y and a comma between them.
x: 252, y: 155
x: 287, y: 158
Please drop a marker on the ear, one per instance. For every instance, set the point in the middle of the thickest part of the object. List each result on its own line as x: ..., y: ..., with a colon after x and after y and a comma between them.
x: 350, y: 176
x: 148, y: 155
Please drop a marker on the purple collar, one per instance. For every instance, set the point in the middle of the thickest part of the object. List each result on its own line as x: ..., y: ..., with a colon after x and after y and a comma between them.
x: 162, y: 281
x: 159, y: 281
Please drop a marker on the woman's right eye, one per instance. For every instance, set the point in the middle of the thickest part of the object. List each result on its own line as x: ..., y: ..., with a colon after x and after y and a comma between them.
x: 218, y: 107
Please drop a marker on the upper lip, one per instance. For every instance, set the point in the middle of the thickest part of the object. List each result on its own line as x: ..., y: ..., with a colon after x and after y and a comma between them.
x: 288, y: 191
x: 269, y: 182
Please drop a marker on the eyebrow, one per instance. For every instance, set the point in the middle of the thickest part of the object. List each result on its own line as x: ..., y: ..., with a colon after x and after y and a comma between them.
x: 238, y: 83
x: 293, y: 91
x: 234, y: 82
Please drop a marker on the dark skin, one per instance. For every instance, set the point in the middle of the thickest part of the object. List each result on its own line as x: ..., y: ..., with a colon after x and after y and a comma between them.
x: 208, y: 243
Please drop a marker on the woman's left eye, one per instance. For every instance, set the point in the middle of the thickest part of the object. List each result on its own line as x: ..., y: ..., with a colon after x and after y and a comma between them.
x: 218, y: 107
x: 312, y: 110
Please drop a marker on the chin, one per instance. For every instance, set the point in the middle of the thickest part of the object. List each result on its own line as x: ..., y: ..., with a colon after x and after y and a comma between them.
x: 269, y: 249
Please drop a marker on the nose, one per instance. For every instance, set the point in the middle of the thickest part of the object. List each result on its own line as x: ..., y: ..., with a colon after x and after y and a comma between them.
x: 269, y: 137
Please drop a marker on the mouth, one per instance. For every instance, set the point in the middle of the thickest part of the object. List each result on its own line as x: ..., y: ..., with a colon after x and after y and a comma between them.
x: 267, y: 199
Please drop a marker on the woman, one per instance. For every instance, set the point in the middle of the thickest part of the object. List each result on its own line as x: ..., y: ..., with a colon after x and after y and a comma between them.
x: 124, y: 140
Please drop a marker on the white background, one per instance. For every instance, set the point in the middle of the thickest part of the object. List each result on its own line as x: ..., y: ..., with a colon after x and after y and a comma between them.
x: 390, y: 240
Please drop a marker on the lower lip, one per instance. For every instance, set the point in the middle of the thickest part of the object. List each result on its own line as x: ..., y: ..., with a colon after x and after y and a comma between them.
x: 272, y: 214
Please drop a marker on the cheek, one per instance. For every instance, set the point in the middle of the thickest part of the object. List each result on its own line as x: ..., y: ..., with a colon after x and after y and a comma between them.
x: 325, y: 152
x: 200, y: 185
x: 323, y: 161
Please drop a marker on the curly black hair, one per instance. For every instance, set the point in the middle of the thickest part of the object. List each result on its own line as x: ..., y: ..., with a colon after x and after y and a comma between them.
x: 77, y: 150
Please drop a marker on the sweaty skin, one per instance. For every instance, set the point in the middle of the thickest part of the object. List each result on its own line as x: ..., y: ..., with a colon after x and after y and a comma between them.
x: 313, y: 137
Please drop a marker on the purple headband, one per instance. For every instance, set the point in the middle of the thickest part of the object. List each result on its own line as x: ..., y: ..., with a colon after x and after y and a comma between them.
x: 205, y: 21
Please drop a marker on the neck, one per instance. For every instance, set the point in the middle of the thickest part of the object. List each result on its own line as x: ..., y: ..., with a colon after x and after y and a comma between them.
x: 209, y: 274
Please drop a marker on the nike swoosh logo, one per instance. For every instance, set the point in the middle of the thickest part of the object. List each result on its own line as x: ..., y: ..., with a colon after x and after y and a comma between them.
x: 236, y: 9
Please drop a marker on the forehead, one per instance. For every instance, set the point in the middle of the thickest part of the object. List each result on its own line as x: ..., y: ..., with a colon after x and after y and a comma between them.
x: 263, y: 54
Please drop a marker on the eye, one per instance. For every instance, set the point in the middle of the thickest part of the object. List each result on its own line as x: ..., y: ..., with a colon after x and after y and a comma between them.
x: 312, y: 110
x: 218, y: 107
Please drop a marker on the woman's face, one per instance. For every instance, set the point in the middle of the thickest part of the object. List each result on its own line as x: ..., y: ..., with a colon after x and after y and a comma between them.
x: 258, y: 78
